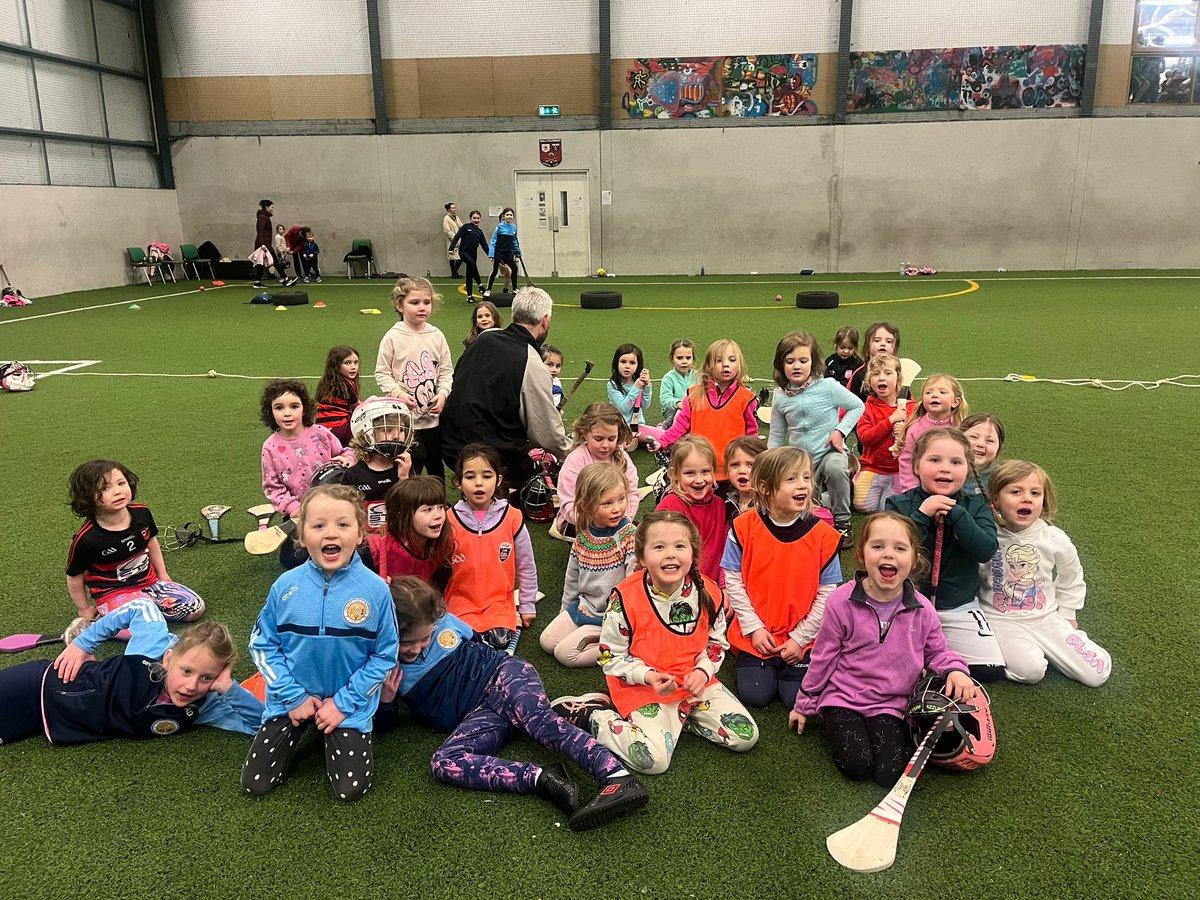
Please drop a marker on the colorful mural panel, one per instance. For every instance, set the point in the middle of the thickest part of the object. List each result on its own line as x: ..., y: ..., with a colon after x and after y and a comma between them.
x: 1014, y: 77
x: 712, y: 86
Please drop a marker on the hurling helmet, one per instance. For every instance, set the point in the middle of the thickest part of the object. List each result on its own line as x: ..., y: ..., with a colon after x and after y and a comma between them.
x: 537, y: 499
x: 372, y: 421
x: 332, y: 472
x: 970, y: 741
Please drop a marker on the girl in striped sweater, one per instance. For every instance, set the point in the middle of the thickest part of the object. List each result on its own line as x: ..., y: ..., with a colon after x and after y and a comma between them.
x: 602, y: 555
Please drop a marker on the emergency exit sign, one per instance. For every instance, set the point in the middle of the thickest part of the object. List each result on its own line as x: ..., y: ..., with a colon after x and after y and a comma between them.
x: 548, y: 110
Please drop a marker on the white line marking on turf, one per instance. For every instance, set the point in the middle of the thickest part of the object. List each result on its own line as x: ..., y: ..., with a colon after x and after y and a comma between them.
x: 64, y: 312
x: 616, y: 284
x: 74, y: 364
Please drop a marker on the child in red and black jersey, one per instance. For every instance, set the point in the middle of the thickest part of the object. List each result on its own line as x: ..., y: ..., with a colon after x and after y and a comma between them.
x: 115, y: 557
x: 337, y: 391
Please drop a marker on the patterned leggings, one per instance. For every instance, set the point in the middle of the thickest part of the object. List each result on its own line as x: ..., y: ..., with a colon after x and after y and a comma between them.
x: 646, y: 739
x: 867, y: 746
x: 347, y: 752
x: 176, y: 602
x: 514, y: 699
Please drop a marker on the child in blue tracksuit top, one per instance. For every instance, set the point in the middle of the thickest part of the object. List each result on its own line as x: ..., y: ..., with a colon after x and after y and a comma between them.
x: 504, y: 248
x: 457, y: 683
x: 324, y: 642
x: 162, y: 685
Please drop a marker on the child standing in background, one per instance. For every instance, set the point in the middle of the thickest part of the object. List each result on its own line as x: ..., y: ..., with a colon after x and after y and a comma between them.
x: 416, y: 539
x: 504, y: 248
x: 115, y: 556
x: 877, y: 637
x: 958, y: 534
x: 599, y: 434
x: 676, y: 383
x: 739, y: 462
x: 661, y: 644
x: 553, y: 359
x: 324, y: 642
x: 815, y: 414
x: 781, y: 564
x: 279, y: 246
x: 720, y: 407
x: 310, y: 257
x: 468, y: 241
x: 942, y: 406
x: 881, y: 338
x: 690, y: 473
x: 463, y: 686
x: 631, y: 391
x: 492, y: 552
x: 338, y: 391
x: 602, y: 556
x: 414, y: 364
x: 844, y: 361
x: 986, y: 435
x: 1032, y: 590
x: 880, y: 427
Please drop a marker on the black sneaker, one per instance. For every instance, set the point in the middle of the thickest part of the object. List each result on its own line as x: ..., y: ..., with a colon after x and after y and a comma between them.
x: 557, y: 786
x: 258, y: 284
x: 578, y: 709
x: 290, y: 281
x: 617, y: 796
x: 847, y: 533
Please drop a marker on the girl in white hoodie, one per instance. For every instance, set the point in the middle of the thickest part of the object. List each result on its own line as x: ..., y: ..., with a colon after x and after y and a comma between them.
x: 414, y: 364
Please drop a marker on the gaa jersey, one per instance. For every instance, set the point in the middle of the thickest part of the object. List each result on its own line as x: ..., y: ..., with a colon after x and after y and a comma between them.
x: 114, y: 562
x: 373, y: 485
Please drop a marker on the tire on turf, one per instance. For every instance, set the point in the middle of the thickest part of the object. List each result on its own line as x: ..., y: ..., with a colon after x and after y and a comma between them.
x: 502, y: 299
x: 290, y: 298
x: 817, y: 300
x: 600, y: 300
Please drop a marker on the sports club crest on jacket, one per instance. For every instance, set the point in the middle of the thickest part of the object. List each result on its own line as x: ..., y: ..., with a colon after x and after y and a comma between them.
x: 550, y: 152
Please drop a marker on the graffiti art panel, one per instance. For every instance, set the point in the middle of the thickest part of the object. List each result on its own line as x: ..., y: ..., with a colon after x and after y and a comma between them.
x: 712, y: 86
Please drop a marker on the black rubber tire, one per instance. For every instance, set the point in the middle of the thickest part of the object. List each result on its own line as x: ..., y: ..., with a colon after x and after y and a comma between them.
x: 290, y: 298
x: 501, y: 299
x: 817, y: 300
x: 600, y: 300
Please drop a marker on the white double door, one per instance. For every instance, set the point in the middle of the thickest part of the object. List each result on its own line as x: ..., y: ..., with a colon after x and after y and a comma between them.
x: 553, y: 223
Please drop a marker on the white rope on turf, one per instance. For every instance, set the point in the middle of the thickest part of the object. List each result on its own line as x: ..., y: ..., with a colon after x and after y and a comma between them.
x: 1108, y: 384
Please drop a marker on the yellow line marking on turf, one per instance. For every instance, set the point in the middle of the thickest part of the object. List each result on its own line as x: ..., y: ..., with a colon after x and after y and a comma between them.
x: 972, y: 288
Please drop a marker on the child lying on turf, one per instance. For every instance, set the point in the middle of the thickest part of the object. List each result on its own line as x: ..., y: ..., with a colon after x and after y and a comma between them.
x: 161, y: 685
x: 458, y: 684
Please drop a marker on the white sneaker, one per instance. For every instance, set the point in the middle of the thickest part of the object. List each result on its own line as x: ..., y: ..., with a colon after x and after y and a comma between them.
x: 306, y: 279
x: 318, y: 279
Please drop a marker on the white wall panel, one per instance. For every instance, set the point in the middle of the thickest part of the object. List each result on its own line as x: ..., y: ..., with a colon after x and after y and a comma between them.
x: 12, y: 22
x: 70, y: 99
x: 927, y: 24
x: 134, y: 168
x: 434, y: 28
x: 1118, y: 21
x: 319, y: 37
x: 642, y: 28
x: 21, y: 161
x: 81, y: 164
x: 119, y: 35
x: 127, y: 106
x: 18, y: 100
x: 63, y: 27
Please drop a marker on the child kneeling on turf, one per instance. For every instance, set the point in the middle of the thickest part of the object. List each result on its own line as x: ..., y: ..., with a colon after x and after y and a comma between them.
x: 1032, y: 589
x: 877, y: 637
x: 661, y: 644
x: 163, y: 684
x: 480, y: 695
x: 324, y: 642
x: 115, y: 556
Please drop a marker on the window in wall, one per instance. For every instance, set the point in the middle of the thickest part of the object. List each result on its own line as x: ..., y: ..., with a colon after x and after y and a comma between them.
x: 1166, y: 52
x: 76, y: 104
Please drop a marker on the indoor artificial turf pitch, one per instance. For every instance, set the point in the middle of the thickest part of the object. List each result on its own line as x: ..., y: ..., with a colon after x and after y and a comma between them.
x: 1088, y: 793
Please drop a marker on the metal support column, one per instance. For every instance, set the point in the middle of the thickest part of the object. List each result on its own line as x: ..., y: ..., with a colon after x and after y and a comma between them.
x: 381, y: 116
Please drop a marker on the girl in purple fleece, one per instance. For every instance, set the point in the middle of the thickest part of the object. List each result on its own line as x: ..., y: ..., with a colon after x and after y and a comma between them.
x: 877, y: 637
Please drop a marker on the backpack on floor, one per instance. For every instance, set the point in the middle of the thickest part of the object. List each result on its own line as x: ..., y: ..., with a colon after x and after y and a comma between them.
x: 12, y: 296
x: 16, y: 377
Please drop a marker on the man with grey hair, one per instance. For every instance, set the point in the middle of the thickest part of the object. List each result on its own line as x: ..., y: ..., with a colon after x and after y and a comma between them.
x: 502, y: 393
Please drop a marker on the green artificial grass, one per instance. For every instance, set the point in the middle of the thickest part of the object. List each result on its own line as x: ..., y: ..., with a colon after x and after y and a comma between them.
x: 1088, y: 795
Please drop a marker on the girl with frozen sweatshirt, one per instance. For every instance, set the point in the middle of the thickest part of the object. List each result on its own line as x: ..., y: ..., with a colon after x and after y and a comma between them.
x: 414, y: 364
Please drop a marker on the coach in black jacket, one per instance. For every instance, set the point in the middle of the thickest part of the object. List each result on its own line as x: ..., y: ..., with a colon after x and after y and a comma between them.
x: 502, y: 393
